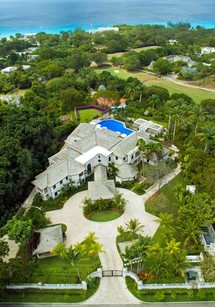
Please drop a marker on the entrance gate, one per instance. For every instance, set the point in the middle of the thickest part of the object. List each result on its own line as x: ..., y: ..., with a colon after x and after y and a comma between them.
x: 111, y: 273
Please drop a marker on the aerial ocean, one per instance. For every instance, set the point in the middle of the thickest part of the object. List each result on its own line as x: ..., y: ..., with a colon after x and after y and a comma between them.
x: 53, y: 16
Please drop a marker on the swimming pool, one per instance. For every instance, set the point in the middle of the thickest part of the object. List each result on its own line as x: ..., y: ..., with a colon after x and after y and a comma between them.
x: 116, y: 126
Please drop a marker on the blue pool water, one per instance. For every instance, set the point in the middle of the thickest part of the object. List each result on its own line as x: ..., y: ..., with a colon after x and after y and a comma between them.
x: 115, y: 126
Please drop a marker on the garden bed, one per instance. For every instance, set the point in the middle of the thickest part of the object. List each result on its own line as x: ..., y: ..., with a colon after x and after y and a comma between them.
x: 105, y: 216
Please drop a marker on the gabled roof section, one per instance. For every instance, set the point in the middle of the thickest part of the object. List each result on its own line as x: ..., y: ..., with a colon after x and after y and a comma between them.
x: 100, y: 173
x: 107, y: 138
x: 57, y: 172
x: 127, y: 171
x: 127, y: 144
x: 90, y: 154
x: 104, y: 190
x: 49, y: 238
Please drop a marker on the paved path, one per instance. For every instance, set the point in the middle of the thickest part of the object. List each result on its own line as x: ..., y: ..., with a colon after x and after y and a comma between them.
x: 111, y: 290
x: 183, y: 83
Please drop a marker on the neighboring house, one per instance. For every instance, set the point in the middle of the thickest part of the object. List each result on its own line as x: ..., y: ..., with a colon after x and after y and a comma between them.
x: 185, y: 59
x: 172, y: 41
x: 86, y: 148
x: 8, y: 70
x: 109, y: 102
x: 11, y: 99
x: 48, y: 238
x: 207, y: 50
x: 25, y: 67
x: 103, y: 29
x: 32, y: 57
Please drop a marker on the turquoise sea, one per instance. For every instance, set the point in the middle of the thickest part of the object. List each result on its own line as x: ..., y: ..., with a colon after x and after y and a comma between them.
x: 53, y: 16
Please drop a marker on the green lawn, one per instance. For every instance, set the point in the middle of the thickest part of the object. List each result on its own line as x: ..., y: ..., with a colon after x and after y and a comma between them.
x: 118, y: 54
x: 164, y: 200
x: 87, y: 115
x: 53, y: 296
x: 105, y: 216
x: 196, y: 94
x: 170, y: 295
x: 55, y: 270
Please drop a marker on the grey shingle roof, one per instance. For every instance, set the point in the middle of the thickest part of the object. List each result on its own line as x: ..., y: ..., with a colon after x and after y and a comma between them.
x: 49, y: 238
x: 127, y: 171
x: 105, y: 190
x: 100, y: 173
x: 120, y: 150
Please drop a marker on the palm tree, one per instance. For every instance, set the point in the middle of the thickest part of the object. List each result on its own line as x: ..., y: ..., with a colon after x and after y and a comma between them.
x: 134, y: 226
x: 122, y: 231
x: 180, y: 193
x: 91, y: 237
x: 142, y: 147
x: 208, y: 135
x: 198, y: 115
x: 153, y: 148
x: 190, y: 232
x: 140, y: 89
x: 95, y: 248
x: 167, y: 222
x: 154, y: 100
x: 119, y: 201
x: 73, y: 254
x: 178, y: 262
x: 158, y: 262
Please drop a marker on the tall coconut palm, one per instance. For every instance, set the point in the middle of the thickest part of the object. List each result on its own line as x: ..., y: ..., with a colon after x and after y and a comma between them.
x: 208, y: 135
x: 198, y: 115
x: 142, y: 147
x: 154, y: 100
x: 153, y: 148
x: 73, y: 254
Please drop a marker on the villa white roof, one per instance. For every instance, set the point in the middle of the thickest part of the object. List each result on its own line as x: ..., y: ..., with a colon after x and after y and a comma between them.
x: 90, y: 154
x: 105, y: 190
x: 127, y: 171
x: 49, y: 238
x: 57, y: 172
x: 125, y: 146
x: 100, y: 173
x: 8, y: 69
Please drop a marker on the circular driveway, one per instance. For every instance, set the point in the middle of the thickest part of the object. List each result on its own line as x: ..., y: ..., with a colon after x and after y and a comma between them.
x: 112, y: 290
x: 78, y: 226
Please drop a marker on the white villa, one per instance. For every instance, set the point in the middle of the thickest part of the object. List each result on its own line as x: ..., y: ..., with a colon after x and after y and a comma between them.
x: 88, y: 147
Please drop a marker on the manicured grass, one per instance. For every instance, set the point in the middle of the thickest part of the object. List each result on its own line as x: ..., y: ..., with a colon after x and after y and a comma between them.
x: 170, y: 295
x: 56, y: 270
x: 52, y: 296
x: 118, y: 54
x: 87, y: 115
x: 105, y: 216
x: 164, y: 200
x: 148, y: 79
